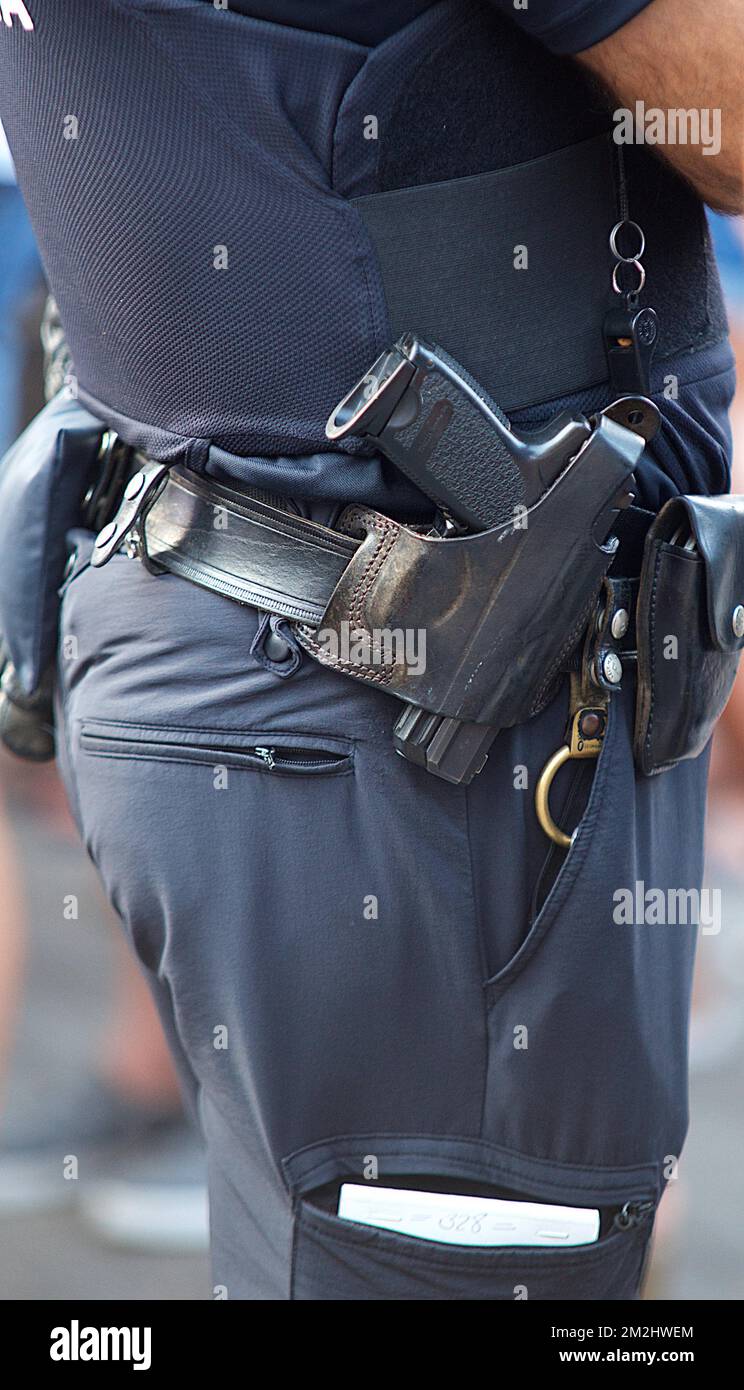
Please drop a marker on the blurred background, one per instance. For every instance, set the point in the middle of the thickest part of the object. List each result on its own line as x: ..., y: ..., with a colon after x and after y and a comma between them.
x: 83, y: 1063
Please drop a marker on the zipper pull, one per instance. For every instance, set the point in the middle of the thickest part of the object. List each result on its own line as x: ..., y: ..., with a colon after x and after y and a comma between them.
x: 267, y: 756
x: 633, y: 1214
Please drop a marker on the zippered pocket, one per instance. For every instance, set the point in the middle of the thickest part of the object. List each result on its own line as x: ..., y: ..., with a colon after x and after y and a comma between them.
x: 278, y: 754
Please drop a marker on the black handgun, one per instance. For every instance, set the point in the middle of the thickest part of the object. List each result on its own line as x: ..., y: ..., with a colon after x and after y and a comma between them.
x: 428, y: 415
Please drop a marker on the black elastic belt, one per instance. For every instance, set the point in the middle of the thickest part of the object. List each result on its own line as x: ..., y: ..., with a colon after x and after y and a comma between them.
x: 511, y: 269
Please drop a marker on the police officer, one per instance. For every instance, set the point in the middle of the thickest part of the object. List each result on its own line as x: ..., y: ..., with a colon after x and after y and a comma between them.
x: 368, y: 975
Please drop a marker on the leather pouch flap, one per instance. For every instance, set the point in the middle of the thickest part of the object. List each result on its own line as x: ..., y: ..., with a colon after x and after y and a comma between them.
x: 717, y: 524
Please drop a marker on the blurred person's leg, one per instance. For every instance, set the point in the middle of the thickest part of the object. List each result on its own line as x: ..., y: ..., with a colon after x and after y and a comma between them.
x: 150, y: 1193
x: 142, y: 1172
x: 20, y: 275
x: 122, y: 1114
x: 11, y: 940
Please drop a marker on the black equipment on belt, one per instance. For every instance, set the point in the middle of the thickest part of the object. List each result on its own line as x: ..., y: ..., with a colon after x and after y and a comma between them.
x: 508, y: 610
x: 524, y: 582
x: 504, y: 592
x: 441, y: 428
x: 430, y: 418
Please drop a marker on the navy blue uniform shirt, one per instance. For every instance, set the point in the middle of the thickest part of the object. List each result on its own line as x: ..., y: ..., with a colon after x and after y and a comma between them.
x: 197, y: 140
x: 564, y: 26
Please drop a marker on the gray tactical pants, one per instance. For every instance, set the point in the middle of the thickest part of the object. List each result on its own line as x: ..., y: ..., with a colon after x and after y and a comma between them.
x: 355, y: 964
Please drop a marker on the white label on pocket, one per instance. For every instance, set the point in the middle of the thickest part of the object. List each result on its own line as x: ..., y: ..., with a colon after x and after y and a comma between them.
x: 455, y: 1220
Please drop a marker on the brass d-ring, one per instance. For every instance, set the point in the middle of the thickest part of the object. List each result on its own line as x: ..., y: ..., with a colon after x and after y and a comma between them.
x: 542, y: 797
x: 585, y: 735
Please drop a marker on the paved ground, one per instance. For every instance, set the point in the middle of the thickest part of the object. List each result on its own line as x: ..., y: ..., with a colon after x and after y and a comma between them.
x: 703, y: 1254
x: 700, y: 1253
x: 54, y: 1256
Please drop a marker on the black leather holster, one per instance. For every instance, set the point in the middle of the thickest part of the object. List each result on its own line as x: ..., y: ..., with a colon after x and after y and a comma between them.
x: 501, y: 610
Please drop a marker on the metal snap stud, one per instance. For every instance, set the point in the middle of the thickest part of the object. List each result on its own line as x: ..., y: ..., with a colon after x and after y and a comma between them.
x: 737, y: 620
x: 612, y: 668
x: 105, y: 535
x: 590, y: 724
x: 134, y: 486
x: 620, y: 621
x: 276, y: 648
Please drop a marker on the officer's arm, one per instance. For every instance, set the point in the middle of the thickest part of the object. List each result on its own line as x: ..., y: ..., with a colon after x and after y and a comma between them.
x: 681, y: 54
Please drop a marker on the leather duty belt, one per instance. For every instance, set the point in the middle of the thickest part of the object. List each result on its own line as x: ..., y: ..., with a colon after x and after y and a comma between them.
x: 228, y: 541
x: 691, y: 554
x: 503, y: 598
x: 258, y: 554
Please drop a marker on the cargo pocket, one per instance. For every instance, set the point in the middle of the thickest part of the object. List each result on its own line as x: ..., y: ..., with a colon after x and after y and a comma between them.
x: 334, y: 1259
x: 588, y: 1022
x: 337, y: 1259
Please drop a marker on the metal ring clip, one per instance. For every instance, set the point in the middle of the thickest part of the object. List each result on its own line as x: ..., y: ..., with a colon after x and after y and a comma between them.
x: 641, y: 277
x: 542, y: 795
x: 636, y: 256
x: 587, y: 733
